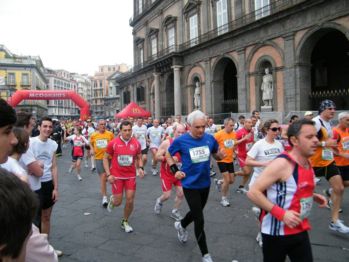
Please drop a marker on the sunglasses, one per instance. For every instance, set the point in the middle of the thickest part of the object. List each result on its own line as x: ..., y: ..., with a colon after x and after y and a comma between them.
x: 274, y: 129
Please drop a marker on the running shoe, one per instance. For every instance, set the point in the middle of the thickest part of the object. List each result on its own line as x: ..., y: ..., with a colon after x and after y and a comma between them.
x: 218, y: 184
x: 79, y: 177
x: 105, y: 201
x: 86, y: 164
x: 327, y: 192
x: 93, y: 169
x: 111, y: 206
x: 241, y: 190
x: 59, y: 253
x: 125, y: 226
x: 182, y: 233
x: 317, y: 180
x: 158, y: 206
x: 175, y: 214
x: 212, y: 173
x: 256, y: 211
x: 259, y: 239
x: 70, y: 170
x: 339, y: 227
x: 207, y: 258
x: 225, y: 202
x: 329, y: 206
x: 154, y: 172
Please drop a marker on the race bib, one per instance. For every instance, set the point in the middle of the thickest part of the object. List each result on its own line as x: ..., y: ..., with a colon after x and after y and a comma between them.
x: 248, y: 146
x: 229, y: 143
x: 155, y: 134
x: 345, y: 145
x: 125, y: 160
x: 306, y: 205
x: 101, y: 143
x: 199, y: 154
x: 327, y: 154
x: 78, y: 143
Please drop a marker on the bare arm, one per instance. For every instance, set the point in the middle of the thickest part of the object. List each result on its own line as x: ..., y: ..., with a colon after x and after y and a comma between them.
x: 140, y: 165
x: 170, y: 161
x: 160, y: 155
x: 36, y: 168
x: 252, y: 162
x: 54, y: 178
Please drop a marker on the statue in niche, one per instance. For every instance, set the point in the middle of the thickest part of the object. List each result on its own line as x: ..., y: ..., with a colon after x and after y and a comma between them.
x: 267, y: 88
x: 197, y: 99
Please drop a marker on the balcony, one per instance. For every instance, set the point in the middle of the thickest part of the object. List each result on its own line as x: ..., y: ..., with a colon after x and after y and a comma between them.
x: 11, y: 83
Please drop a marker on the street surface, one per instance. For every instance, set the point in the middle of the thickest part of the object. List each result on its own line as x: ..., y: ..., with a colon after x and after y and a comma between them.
x: 85, y: 231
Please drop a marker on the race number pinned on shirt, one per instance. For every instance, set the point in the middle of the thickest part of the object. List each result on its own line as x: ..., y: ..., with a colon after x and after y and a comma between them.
x: 78, y: 143
x: 306, y: 205
x: 199, y: 154
x: 101, y: 143
x: 125, y: 160
x: 229, y: 143
x: 327, y: 154
x: 345, y: 145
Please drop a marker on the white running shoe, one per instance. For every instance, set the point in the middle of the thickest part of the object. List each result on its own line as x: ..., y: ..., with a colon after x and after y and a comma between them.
x: 105, y: 201
x: 182, y: 233
x: 259, y: 239
x: 111, y: 206
x: 317, y: 180
x: 93, y: 169
x: 70, y: 170
x: 154, y: 172
x: 59, y: 253
x: 256, y: 211
x: 158, y: 206
x: 329, y: 206
x: 86, y: 164
x: 241, y: 190
x: 212, y: 173
x: 125, y: 226
x: 175, y: 214
x: 207, y: 258
x: 225, y: 202
x: 79, y: 177
x: 339, y: 227
x: 218, y: 184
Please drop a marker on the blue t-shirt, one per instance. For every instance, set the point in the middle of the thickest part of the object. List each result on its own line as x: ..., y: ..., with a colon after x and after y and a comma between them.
x: 195, y: 154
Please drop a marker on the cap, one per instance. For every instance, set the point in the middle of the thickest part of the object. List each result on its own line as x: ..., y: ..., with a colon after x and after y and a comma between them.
x: 308, y: 113
x: 326, y: 104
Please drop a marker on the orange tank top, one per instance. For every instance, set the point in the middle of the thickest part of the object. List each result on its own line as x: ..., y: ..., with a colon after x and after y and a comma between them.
x: 343, y: 145
x: 323, y: 155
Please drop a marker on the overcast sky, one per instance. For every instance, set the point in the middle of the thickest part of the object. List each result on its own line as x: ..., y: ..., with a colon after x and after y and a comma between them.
x: 75, y: 35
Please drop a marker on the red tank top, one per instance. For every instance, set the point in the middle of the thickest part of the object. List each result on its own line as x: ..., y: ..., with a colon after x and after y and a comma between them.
x: 165, y: 168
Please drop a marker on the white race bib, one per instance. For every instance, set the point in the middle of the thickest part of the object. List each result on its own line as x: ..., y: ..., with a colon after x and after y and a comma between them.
x: 78, y: 143
x: 199, y: 154
x: 345, y: 145
x: 327, y: 154
x: 229, y: 143
x: 101, y: 143
x: 306, y: 205
x: 125, y: 160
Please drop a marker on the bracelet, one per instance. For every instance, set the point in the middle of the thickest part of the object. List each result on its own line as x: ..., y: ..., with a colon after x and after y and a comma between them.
x: 278, y: 212
x: 141, y: 167
x: 174, y: 168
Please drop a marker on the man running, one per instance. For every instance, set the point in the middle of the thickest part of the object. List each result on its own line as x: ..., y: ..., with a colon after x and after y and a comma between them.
x: 226, y: 139
x: 324, y: 164
x: 99, y: 141
x: 155, y: 135
x: 195, y: 149
x: 166, y: 176
x: 285, y: 193
x: 87, y: 132
x: 139, y: 131
x: 124, y: 152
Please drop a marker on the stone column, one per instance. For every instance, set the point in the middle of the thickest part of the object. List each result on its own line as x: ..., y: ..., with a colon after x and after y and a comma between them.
x: 289, y: 75
x: 242, y: 85
x: 157, y: 94
x: 208, y: 88
x: 177, y: 90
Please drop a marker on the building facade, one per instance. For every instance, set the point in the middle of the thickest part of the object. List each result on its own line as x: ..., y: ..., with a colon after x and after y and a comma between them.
x: 224, y: 46
x: 22, y: 73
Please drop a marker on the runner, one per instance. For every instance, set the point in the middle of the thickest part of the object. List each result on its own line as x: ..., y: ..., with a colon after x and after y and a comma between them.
x: 155, y: 135
x: 166, y: 176
x: 285, y: 192
x: 261, y: 154
x: 245, y: 142
x: 44, y: 149
x: 139, y: 131
x: 195, y: 149
x: 324, y: 164
x: 79, y: 143
x: 124, y: 151
x: 226, y: 139
x: 99, y: 141
x: 211, y: 129
x: 87, y: 132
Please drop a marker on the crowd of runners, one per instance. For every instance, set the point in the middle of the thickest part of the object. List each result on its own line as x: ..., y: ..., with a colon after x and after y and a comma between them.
x: 278, y: 165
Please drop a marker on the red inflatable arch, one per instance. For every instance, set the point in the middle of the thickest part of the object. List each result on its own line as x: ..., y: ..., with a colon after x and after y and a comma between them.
x: 21, y: 95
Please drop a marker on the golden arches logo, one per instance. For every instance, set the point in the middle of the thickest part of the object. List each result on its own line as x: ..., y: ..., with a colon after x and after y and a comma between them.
x: 136, y: 110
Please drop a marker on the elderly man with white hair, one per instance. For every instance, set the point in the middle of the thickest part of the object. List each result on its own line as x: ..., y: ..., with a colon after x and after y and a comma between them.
x: 195, y: 149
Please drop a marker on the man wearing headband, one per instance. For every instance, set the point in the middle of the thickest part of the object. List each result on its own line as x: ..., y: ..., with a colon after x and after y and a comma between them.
x: 324, y: 164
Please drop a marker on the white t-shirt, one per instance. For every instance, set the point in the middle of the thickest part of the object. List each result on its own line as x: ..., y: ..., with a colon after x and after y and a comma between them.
x: 44, y: 151
x: 169, y: 131
x: 76, y: 143
x: 26, y: 159
x: 140, y: 133
x: 13, y: 166
x: 322, y: 123
x: 155, y: 134
x: 262, y: 151
x: 211, y: 129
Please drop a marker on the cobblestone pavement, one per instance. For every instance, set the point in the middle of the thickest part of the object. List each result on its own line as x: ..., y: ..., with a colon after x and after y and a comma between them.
x: 85, y: 231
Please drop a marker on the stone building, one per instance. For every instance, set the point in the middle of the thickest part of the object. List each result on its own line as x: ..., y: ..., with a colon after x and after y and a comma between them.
x: 224, y: 46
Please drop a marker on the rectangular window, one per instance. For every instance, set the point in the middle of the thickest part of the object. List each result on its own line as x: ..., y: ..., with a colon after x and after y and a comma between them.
x: 222, y: 16
x: 141, y: 55
x: 11, y: 79
x: 193, y: 30
x: 261, y: 8
x: 140, y: 6
x: 140, y: 94
x: 126, y: 97
x: 154, y: 46
x: 171, y: 38
x: 25, y: 79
